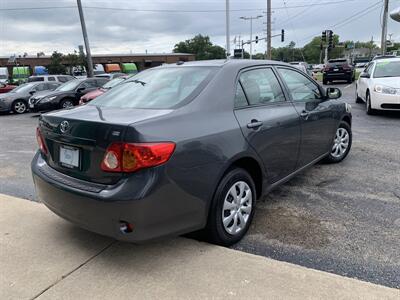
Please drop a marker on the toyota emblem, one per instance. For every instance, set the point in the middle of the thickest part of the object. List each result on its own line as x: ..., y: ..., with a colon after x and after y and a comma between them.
x: 64, y: 126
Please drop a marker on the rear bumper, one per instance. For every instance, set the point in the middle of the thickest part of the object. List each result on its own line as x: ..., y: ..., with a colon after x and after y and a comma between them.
x: 338, y: 76
x: 385, y: 101
x: 163, y: 209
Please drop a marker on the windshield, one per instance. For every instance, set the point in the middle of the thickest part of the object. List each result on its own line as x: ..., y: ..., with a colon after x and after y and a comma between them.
x: 110, y: 84
x: 387, y: 69
x: 160, y: 88
x: 68, y: 86
x: 23, y: 88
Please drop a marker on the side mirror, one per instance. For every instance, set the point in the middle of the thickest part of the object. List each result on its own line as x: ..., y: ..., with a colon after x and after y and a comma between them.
x: 333, y: 93
x: 80, y: 90
x: 365, y: 75
x: 32, y: 92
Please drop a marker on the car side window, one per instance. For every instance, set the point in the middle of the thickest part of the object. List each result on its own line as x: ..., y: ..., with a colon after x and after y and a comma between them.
x: 100, y: 82
x: 51, y: 78
x: 40, y: 87
x: 88, y: 84
x: 300, y: 87
x: 52, y: 86
x: 261, y: 86
x: 240, y: 97
x: 368, y: 70
x: 62, y: 79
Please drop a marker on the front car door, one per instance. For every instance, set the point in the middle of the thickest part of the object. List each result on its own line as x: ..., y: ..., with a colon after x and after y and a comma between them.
x: 363, y: 82
x: 268, y: 121
x: 317, y: 122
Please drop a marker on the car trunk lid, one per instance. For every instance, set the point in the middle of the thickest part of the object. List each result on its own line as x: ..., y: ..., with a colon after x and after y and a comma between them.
x: 78, y: 138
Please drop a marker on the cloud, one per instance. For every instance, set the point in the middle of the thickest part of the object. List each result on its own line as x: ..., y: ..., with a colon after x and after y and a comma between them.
x: 123, y: 30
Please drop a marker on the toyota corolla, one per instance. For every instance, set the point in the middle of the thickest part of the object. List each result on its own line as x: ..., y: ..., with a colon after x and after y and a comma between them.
x: 187, y: 147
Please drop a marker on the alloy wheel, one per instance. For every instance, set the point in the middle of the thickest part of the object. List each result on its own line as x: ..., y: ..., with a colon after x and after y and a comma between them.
x: 67, y: 104
x: 20, y: 107
x: 341, y: 143
x: 237, y: 207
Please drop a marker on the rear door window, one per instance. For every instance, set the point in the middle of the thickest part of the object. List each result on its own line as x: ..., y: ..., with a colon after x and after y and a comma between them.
x: 51, y: 78
x: 261, y: 86
x: 240, y: 97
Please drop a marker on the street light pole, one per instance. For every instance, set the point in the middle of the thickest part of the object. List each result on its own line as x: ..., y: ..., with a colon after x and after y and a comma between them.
x: 251, y: 31
x: 384, y: 26
x: 86, y: 40
x: 269, y: 29
x: 228, y: 38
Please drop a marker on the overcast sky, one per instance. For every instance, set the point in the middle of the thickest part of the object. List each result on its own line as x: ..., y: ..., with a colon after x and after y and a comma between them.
x: 124, y: 26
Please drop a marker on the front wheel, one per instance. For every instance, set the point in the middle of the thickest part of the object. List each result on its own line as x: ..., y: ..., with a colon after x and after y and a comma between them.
x: 370, y: 110
x: 66, y: 103
x: 341, y: 144
x: 358, y: 99
x: 232, y: 208
x: 19, y: 107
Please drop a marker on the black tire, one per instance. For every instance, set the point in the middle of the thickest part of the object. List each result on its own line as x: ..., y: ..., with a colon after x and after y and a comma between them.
x: 358, y: 99
x: 331, y: 158
x: 369, y: 111
x: 19, y: 106
x: 215, y: 230
x: 66, y: 103
x: 324, y: 81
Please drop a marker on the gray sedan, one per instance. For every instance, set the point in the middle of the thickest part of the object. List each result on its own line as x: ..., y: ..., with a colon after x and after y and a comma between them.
x: 17, y: 99
x: 187, y: 147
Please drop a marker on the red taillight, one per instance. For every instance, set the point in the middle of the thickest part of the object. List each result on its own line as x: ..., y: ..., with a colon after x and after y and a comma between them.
x: 346, y: 67
x: 125, y: 157
x: 40, y: 141
x: 326, y: 69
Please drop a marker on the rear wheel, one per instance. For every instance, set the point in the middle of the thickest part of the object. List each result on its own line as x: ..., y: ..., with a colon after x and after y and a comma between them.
x: 19, y: 106
x: 66, y: 103
x: 341, y: 144
x: 370, y: 111
x: 232, y: 208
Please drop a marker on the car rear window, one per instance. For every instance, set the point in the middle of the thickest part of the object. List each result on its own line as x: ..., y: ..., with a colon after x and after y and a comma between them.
x: 36, y: 78
x: 159, y: 88
x: 337, y: 62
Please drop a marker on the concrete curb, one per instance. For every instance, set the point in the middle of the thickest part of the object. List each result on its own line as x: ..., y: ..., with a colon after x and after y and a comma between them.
x: 44, y: 257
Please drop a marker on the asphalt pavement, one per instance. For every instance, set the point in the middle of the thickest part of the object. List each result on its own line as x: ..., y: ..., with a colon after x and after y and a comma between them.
x: 343, y: 219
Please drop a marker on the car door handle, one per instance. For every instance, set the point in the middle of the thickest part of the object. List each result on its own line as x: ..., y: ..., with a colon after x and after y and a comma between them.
x: 254, y: 124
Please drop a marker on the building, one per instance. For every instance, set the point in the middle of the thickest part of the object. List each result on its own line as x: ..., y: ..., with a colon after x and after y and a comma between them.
x: 142, y: 61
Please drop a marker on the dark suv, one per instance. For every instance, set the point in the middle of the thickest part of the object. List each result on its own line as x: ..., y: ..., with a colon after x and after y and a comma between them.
x: 338, y: 69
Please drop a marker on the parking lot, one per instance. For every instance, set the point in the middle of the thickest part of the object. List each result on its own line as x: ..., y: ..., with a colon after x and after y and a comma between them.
x: 342, y: 218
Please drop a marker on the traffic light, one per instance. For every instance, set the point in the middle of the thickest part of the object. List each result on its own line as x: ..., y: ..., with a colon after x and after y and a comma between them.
x: 283, y: 35
x: 323, y: 36
x: 330, y: 39
x: 256, y: 39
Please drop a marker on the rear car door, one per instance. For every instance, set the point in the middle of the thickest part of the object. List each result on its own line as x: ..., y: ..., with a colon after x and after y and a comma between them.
x: 270, y: 124
x: 317, y: 122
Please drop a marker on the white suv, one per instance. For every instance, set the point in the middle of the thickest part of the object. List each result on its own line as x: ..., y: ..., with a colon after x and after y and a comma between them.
x: 50, y: 78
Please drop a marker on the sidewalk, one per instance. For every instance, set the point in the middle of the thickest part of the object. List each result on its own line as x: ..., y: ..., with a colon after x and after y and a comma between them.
x: 44, y: 257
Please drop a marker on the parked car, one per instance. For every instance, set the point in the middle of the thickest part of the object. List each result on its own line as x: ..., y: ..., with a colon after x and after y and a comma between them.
x: 40, y: 70
x: 5, y: 88
x: 110, y: 75
x: 112, y: 68
x: 51, y: 78
x: 184, y: 147
x: 338, y: 69
x: 302, y: 66
x: 4, y: 75
x: 379, y: 85
x: 318, y: 68
x: 66, y: 95
x: 17, y: 99
x: 98, y: 69
x: 380, y: 56
x: 129, y: 68
x: 100, y: 91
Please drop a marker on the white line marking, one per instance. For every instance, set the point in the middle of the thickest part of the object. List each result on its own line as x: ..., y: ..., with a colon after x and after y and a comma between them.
x: 347, y: 86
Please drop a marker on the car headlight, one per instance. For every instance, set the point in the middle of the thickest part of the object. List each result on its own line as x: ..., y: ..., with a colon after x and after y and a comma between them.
x: 47, y: 99
x: 385, y: 89
x: 348, y: 108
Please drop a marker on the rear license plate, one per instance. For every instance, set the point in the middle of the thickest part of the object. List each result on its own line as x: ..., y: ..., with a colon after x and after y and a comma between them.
x: 69, y: 156
x: 335, y: 69
x: 31, y: 105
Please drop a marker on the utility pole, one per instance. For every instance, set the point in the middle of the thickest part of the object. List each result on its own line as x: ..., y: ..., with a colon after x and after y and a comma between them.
x: 384, y: 26
x: 86, y: 40
x: 251, y: 31
x: 269, y: 29
x: 228, y: 38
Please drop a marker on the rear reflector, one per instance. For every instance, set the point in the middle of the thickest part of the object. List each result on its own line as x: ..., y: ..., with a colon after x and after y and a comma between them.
x: 127, y: 157
x: 40, y: 141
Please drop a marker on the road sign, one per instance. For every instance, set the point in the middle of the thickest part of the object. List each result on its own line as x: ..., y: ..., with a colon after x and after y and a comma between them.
x: 238, y: 53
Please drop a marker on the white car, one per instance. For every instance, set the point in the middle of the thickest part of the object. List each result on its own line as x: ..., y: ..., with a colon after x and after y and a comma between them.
x: 379, y: 85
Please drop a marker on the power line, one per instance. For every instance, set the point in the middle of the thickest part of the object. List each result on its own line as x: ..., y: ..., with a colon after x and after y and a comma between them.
x: 177, y: 10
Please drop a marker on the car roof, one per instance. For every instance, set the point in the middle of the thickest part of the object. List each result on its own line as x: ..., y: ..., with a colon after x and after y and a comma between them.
x: 239, y: 63
x: 387, y: 59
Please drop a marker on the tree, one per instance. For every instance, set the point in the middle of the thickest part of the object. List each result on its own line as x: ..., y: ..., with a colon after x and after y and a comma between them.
x: 202, y: 47
x: 56, y: 66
